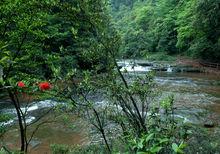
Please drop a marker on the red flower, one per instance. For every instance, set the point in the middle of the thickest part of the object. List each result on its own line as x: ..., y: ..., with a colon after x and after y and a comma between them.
x: 21, y: 84
x: 44, y: 86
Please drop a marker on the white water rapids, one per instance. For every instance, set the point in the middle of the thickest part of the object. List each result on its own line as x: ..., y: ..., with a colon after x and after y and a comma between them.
x: 32, y: 107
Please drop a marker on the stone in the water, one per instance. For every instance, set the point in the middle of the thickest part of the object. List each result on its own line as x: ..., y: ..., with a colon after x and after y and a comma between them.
x: 209, y: 124
x: 35, y: 143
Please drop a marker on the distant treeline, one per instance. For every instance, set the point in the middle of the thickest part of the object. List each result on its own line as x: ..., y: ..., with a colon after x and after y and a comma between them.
x: 189, y: 27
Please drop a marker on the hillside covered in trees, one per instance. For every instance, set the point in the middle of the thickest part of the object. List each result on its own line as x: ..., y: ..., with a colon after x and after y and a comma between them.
x: 76, y: 77
x: 186, y: 27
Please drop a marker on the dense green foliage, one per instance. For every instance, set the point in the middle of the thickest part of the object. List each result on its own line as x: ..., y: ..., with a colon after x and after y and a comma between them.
x: 55, y: 35
x: 173, y: 26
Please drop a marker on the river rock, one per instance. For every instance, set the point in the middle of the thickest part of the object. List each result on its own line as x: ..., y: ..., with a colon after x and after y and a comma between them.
x: 209, y: 124
x: 163, y: 69
x: 144, y: 64
x: 188, y: 69
x: 34, y: 143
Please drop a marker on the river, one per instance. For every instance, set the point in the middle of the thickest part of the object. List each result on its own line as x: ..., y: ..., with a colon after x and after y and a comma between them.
x: 196, y: 95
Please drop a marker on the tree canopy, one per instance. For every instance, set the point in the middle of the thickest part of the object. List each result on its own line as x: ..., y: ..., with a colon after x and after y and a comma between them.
x: 173, y: 26
x: 55, y: 36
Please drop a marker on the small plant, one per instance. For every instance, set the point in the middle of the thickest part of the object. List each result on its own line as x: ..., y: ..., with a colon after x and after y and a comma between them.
x: 2, y: 151
x: 148, y: 143
x: 178, y: 148
x: 59, y: 149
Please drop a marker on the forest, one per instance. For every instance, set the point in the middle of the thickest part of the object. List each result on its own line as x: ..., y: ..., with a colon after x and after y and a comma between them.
x: 189, y: 27
x: 109, y: 76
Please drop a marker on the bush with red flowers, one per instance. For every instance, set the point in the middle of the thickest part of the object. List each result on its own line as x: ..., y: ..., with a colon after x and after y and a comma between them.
x: 21, y: 84
x: 44, y: 86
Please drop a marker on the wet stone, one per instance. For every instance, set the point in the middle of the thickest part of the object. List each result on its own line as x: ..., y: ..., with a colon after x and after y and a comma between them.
x: 34, y: 143
x: 209, y: 124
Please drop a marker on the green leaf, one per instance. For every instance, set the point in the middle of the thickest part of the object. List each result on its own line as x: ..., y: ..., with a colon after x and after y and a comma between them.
x: 182, y: 145
x: 178, y: 149
x: 155, y: 149
x: 175, y: 147
x: 164, y: 140
x: 140, y: 144
x: 149, y: 137
x: 142, y: 152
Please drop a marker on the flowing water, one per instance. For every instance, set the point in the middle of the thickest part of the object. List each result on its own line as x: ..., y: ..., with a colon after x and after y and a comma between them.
x: 197, y: 100
x: 197, y: 95
x: 56, y: 130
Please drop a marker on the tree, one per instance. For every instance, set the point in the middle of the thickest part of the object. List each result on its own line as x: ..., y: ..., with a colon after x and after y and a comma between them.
x: 47, y: 40
x: 23, y: 54
x: 206, y: 23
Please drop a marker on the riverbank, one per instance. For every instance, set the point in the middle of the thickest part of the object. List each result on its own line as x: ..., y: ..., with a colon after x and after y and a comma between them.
x: 182, y: 61
x: 196, y: 63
